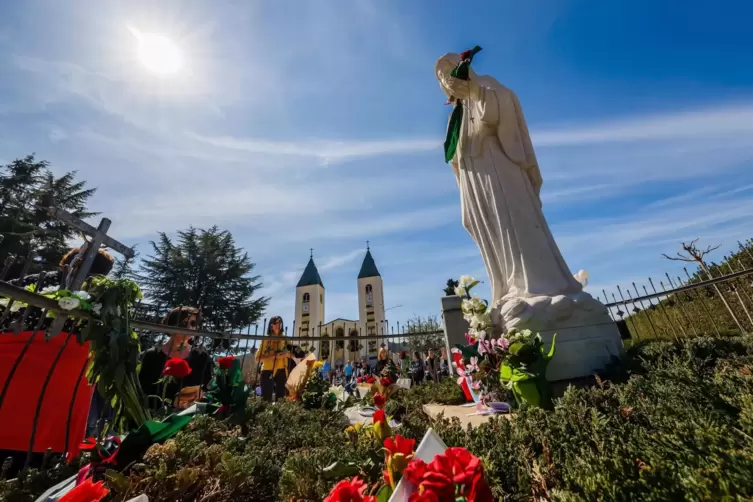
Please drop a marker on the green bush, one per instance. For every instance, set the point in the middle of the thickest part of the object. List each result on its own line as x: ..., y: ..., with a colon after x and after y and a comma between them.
x: 671, y: 421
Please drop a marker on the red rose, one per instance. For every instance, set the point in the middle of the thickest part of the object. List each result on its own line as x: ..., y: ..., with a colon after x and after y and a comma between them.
x: 423, y: 497
x: 226, y: 362
x: 347, y: 490
x: 379, y: 400
x: 86, y: 492
x: 176, y: 368
x: 399, y: 445
x: 370, y: 379
x: 438, y: 483
x: 415, y: 471
x: 480, y: 491
x: 463, y: 465
x: 385, y: 381
x: 379, y: 416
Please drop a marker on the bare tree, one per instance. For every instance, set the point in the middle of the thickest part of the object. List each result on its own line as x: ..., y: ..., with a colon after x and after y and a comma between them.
x: 692, y: 254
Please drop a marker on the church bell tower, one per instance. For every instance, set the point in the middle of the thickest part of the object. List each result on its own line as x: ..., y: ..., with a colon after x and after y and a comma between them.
x: 371, y: 303
x: 309, y: 301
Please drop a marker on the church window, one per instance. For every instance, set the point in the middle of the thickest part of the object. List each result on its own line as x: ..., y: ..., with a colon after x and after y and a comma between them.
x: 369, y: 293
x: 368, y: 289
x: 306, y: 298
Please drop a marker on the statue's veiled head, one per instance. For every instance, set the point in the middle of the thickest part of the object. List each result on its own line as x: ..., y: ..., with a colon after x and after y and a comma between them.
x: 448, y: 62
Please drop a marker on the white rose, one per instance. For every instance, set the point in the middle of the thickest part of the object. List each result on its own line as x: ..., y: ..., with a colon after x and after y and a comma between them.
x: 49, y: 289
x: 465, y: 280
x: 96, y: 308
x: 460, y: 291
x: 83, y: 295
x: 68, y: 303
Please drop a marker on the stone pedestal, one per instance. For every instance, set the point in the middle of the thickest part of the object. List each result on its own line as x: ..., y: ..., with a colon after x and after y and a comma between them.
x: 455, y: 327
x: 587, y: 338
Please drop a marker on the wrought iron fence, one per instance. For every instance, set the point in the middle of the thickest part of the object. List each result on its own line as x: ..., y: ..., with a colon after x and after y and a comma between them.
x: 673, y: 307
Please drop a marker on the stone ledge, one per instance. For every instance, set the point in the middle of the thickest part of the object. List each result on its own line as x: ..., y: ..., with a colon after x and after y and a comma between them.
x: 461, y: 413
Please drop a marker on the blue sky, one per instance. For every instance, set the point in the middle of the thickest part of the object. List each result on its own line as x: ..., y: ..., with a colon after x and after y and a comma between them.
x: 319, y: 124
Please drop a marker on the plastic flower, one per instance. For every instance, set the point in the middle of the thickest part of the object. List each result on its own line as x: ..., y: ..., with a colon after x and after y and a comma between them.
x: 460, y: 291
x: 415, y: 471
x: 226, y: 362
x: 370, y: 379
x: 82, y: 295
x: 379, y: 400
x: 472, y: 365
x: 379, y: 417
x: 501, y: 344
x: 176, y: 368
x: 399, y: 444
x: 69, y: 303
x: 49, y: 289
x: 347, y: 490
x: 385, y: 381
x: 466, y: 280
x: 318, y: 365
x: 87, y: 491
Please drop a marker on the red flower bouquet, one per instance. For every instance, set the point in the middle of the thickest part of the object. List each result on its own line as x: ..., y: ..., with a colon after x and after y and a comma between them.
x: 453, y: 474
x: 349, y: 490
x: 177, y: 368
x: 87, y: 491
x: 226, y: 362
x: 379, y: 400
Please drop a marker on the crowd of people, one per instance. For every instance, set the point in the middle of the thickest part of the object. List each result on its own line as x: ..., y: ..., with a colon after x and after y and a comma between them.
x: 419, y: 368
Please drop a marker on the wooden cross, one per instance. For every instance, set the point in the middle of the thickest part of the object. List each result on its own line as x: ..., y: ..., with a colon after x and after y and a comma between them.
x: 86, y: 255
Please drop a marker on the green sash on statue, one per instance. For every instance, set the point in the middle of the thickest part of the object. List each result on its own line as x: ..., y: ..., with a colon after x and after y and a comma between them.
x: 456, y: 118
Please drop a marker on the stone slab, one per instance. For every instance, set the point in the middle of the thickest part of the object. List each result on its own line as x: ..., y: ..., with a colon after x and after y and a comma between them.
x: 461, y: 413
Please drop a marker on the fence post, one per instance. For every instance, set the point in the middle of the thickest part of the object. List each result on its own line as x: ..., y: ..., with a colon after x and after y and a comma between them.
x: 455, y: 327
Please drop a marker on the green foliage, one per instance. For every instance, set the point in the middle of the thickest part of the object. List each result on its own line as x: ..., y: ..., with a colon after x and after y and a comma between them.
x: 446, y: 391
x: 316, y: 394
x: 27, y: 188
x: 672, y: 424
x: 449, y: 289
x: 205, y: 269
x: 423, y: 343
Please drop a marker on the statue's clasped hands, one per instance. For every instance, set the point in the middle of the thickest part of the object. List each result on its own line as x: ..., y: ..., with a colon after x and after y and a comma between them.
x: 461, y: 89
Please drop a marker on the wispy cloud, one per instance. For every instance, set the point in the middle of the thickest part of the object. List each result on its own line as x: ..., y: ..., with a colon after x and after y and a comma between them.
x: 327, y: 151
x: 718, y: 122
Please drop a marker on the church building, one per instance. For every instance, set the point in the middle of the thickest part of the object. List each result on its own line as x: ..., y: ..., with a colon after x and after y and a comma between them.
x: 310, y: 320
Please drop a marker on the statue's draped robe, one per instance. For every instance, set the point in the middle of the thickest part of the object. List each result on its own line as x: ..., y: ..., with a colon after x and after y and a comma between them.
x: 499, y: 183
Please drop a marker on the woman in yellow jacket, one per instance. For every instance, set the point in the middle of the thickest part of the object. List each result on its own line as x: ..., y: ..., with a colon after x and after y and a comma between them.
x: 273, y: 357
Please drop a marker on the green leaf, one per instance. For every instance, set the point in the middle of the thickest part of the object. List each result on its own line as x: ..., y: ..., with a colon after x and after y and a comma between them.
x: 515, y: 348
x: 340, y: 470
x: 384, y: 493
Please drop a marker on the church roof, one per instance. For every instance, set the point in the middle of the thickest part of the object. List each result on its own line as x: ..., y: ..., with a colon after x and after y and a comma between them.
x: 368, y: 267
x: 310, y: 276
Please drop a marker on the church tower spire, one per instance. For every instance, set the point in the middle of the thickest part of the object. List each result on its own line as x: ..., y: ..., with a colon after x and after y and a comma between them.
x: 371, y: 302
x: 309, y: 300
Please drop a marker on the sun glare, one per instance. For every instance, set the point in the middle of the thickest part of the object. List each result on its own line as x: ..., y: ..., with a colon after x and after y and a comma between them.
x: 158, y: 53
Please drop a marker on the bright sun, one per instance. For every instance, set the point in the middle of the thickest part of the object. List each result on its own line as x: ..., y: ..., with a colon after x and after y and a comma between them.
x: 158, y: 53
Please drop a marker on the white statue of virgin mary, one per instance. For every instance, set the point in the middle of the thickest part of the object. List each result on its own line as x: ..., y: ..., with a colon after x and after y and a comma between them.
x: 500, y: 183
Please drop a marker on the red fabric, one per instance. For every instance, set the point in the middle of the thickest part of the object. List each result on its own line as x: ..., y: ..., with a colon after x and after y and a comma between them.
x: 19, y: 406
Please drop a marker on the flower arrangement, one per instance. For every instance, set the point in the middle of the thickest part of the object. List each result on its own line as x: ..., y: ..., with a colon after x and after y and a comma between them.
x: 227, y: 387
x: 454, y: 475
x: 517, y: 359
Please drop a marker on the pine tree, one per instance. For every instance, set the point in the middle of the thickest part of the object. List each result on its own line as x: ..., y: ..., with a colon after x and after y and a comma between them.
x: 27, y: 188
x: 203, y: 268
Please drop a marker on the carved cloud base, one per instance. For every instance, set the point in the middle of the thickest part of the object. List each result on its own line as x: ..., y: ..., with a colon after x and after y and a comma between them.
x: 587, y: 338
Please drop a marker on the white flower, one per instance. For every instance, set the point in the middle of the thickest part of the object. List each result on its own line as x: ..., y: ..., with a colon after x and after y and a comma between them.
x: 17, y: 306
x: 4, y: 301
x: 460, y: 291
x: 82, y: 295
x: 69, y: 303
x: 49, y: 289
x: 96, y: 308
x: 466, y: 280
x: 582, y: 277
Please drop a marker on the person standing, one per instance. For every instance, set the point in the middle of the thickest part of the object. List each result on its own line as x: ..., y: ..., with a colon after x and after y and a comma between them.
x: 348, y: 372
x: 417, y: 369
x: 178, y: 346
x: 432, y: 366
x: 382, y: 358
x: 273, y: 356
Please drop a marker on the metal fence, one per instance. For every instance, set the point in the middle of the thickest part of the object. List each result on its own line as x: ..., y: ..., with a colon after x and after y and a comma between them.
x: 37, y: 324
x: 671, y: 308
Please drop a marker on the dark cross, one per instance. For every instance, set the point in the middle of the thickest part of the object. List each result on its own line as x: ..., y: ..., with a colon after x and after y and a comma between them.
x: 312, y: 252
x: 85, y: 258
x: 367, y: 245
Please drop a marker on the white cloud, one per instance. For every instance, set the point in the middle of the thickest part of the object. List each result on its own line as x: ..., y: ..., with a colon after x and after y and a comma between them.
x: 327, y: 151
x: 698, y: 125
